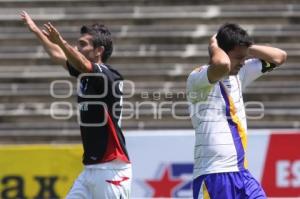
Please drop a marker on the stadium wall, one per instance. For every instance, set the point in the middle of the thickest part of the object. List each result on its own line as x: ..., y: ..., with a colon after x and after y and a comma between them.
x: 162, y: 165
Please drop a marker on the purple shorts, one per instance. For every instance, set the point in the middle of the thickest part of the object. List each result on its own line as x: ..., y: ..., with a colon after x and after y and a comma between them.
x: 231, y: 185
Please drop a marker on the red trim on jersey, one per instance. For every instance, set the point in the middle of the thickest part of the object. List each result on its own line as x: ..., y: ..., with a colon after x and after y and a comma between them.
x: 90, y: 67
x: 117, y: 182
x: 114, y: 149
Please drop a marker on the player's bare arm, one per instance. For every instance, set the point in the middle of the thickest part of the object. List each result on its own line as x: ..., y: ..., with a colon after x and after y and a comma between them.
x: 74, y: 57
x: 268, y: 53
x: 54, y: 51
x: 219, y: 62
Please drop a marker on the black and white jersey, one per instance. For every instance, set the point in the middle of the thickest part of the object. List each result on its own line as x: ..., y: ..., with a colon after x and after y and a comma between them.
x: 99, y: 102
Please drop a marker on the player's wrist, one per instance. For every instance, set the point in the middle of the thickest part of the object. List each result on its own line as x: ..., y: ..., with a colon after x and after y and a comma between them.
x: 34, y: 29
x: 62, y: 43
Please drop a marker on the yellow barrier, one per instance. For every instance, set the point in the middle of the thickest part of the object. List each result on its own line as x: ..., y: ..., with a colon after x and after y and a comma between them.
x: 38, y: 171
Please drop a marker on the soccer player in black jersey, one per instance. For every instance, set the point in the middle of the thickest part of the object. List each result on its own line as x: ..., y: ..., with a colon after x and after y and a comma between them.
x: 107, y: 172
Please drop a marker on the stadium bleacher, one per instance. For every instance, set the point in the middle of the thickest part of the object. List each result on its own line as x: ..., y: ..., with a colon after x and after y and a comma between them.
x: 157, y: 44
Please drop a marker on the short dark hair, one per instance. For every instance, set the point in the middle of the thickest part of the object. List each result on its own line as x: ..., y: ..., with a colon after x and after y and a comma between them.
x: 231, y: 35
x: 101, y: 37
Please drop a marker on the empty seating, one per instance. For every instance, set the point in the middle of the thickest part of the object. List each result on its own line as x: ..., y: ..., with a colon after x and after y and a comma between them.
x: 156, y: 45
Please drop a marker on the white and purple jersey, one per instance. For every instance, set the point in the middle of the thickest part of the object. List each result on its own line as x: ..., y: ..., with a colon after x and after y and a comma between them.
x: 218, y: 116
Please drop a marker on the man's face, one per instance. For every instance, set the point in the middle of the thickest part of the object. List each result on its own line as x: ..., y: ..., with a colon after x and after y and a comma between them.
x: 237, y: 58
x: 85, y: 46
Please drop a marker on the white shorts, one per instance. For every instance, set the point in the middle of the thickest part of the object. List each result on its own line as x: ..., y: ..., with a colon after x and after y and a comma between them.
x: 105, y: 182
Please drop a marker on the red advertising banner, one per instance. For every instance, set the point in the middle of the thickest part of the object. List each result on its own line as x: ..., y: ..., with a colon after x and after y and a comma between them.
x: 281, y: 176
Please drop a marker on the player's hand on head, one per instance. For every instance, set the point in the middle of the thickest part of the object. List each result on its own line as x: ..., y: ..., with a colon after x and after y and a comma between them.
x: 52, y: 33
x: 25, y: 17
x: 213, y: 40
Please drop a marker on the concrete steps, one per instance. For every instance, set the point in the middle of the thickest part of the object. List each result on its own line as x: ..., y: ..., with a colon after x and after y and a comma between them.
x: 157, y: 44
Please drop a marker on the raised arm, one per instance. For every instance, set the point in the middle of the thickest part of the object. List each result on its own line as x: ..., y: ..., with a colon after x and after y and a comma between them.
x: 74, y: 57
x: 219, y: 62
x: 54, y: 51
x: 267, y: 53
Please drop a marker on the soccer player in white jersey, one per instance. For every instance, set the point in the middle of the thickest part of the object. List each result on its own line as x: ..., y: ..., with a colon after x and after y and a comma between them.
x: 218, y: 114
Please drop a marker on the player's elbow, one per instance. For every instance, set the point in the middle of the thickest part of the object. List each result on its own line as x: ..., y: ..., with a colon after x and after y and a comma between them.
x: 217, y: 71
x: 222, y: 66
x: 281, y: 58
x: 87, y: 66
x: 220, y: 62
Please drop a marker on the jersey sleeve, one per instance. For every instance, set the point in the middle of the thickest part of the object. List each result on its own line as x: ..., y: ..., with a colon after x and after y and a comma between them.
x: 253, y: 69
x: 198, y: 85
x: 96, y: 68
x: 72, y: 71
x: 103, y: 70
x: 250, y: 71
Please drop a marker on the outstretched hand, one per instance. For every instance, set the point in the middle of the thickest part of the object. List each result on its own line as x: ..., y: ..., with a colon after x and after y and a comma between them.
x: 25, y: 17
x: 52, y: 33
